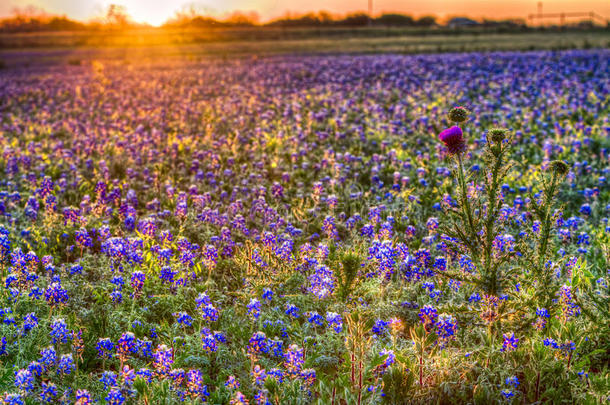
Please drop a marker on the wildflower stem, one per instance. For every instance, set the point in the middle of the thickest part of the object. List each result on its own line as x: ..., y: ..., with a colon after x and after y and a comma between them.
x: 466, y: 202
x: 492, y: 213
x: 421, y: 369
x: 549, y: 192
x: 491, y: 342
x: 133, y: 300
x: 546, y: 225
x: 360, y: 367
x: 353, y: 374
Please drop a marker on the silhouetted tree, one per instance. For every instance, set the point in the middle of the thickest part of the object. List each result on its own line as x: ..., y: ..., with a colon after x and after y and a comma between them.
x: 117, y: 16
x: 426, y: 21
x: 396, y: 20
x: 354, y: 20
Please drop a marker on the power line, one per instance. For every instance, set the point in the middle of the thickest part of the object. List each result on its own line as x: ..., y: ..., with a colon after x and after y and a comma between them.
x: 593, y: 16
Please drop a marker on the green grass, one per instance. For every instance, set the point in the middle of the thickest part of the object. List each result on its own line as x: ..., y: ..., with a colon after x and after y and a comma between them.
x: 131, y: 47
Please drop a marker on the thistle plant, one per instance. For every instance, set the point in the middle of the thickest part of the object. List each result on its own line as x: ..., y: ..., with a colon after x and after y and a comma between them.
x: 475, y: 231
x: 472, y: 227
x: 350, y: 263
x: 538, y: 258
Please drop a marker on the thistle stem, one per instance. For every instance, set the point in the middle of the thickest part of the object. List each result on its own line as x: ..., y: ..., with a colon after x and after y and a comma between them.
x: 545, y: 235
x: 465, y: 201
x: 546, y: 226
x: 492, y: 209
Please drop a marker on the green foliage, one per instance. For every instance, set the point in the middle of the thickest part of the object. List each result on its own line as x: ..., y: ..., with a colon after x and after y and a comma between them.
x: 347, y: 273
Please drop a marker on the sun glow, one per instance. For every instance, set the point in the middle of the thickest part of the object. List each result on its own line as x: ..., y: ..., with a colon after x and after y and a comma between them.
x: 156, y: 12
x: 153, y: 12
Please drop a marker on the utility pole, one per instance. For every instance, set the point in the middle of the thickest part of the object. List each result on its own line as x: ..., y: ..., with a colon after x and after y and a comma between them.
x: 532, y: 17
x: 370, y: 12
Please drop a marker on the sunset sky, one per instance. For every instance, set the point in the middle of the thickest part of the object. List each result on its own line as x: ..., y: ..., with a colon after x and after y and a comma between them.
x: 156, y: 12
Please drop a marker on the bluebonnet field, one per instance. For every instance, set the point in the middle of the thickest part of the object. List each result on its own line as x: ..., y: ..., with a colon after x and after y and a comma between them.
x: 292, y: 230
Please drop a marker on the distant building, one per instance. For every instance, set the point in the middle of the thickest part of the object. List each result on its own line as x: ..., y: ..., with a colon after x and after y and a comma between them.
x: 459, y: 22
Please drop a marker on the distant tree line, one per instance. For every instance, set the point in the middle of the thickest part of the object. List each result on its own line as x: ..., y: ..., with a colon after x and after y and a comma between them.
x: 323, y: 19
x: 20, y: 24
x: 31, y: 19
x: 116, y: 17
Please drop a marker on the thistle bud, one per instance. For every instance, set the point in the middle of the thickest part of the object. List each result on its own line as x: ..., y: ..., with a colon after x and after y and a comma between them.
x: 558, y: 167
x: 458, y: 114
x: 496, y: 135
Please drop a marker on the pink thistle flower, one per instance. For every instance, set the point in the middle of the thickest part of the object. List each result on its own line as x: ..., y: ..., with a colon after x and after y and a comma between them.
x: 453, y: 139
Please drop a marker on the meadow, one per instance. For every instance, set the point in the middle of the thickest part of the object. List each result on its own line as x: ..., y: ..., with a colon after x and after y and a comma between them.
x: 153, y: 44
x: 306, y: 229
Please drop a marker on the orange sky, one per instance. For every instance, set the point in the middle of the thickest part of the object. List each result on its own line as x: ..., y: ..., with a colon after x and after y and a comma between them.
x: 157, y: 11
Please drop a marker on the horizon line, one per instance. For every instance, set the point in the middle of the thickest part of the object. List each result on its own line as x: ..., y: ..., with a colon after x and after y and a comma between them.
x: 255, y: 18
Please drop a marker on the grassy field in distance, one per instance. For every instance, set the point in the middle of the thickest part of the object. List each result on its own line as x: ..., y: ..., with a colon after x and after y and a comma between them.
x: 142, y: 46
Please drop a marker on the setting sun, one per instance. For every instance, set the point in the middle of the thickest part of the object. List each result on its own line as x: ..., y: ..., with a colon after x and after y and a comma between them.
x: 153, y: 12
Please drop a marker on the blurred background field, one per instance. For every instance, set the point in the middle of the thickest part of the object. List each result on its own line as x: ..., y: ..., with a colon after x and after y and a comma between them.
x: 32, y: 36
x: 19, y: 49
